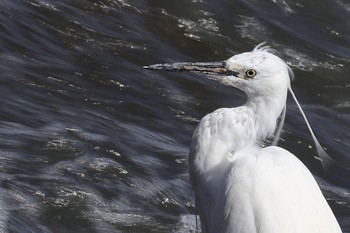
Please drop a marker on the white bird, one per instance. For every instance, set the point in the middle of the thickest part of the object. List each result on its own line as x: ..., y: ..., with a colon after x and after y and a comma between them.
x: 241, y: 186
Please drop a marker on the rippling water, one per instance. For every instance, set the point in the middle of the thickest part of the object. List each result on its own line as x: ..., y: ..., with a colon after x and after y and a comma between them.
x: 91, y: 142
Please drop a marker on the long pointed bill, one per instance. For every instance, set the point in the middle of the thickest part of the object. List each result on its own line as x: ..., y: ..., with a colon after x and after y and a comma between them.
x: 209, y: 68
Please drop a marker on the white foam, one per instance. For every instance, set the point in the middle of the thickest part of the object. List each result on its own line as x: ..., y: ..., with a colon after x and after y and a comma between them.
x: 187, y: 224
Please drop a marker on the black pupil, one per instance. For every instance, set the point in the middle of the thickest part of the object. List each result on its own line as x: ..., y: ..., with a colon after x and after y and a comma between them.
x: 250, y: 73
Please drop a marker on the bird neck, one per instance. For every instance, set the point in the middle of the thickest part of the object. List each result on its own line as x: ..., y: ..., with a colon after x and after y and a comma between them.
x: 266, y: 110
x: 229, y: 133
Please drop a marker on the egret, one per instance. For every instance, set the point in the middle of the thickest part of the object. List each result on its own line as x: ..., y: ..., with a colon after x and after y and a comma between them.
x: 239, y: 185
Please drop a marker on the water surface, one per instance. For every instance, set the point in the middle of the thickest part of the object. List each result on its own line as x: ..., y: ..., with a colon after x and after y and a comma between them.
x: 91, y: 142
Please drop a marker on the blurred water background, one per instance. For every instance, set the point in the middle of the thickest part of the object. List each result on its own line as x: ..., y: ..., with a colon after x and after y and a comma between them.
x: 91, y: 142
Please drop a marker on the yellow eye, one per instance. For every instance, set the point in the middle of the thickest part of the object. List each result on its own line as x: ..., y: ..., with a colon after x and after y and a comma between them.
x: 250, y: 73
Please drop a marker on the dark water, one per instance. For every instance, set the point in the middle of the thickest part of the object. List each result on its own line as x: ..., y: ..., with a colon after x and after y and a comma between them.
x: 91, y: 142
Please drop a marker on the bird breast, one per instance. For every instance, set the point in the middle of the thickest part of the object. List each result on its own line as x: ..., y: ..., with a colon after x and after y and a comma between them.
x: 220, y: 134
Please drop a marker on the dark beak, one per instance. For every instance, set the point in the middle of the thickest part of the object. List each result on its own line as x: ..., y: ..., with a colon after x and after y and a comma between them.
x: 209, y: 68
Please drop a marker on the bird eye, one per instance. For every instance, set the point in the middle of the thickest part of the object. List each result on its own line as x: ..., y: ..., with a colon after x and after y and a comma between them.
x: 250, y: 73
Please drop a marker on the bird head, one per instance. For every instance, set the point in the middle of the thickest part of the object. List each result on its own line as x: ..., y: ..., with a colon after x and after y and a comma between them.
x: 258, y: 72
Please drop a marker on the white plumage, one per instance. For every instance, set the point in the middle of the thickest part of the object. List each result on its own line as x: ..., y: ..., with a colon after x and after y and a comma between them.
x: 240, y: 186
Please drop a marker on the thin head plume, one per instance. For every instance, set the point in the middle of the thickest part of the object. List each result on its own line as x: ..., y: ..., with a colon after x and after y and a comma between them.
x: 325, y: 159
x: 280, y: 126
x: 263, y: 47
x: 290, y: 73
x: 283, y: 114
